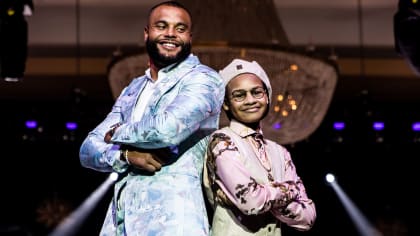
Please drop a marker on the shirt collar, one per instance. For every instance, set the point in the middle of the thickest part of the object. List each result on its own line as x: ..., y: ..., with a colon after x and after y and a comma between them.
x: 190, y: 61
x: 241, y: 129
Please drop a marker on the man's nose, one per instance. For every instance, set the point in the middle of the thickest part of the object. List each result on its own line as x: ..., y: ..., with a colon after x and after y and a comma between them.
x: 170, y: 31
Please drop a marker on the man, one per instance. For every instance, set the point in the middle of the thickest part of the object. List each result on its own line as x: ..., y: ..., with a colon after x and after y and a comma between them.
x: 157, y: 133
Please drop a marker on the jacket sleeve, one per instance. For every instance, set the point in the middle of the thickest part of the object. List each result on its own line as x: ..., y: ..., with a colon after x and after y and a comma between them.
x: 296, y: 210
x: 194, y: 100
x: 198, y: 97
x: 94, y: 153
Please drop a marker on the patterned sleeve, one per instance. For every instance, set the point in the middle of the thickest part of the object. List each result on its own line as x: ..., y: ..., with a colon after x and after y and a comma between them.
x: 94, y: 153
x: 177, y: 115
x: 298, y: 211
x: 286, y: 200
x: 235, y: 181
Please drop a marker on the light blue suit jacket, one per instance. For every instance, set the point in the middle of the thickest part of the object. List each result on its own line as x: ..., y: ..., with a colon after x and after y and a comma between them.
x: 181, y: 113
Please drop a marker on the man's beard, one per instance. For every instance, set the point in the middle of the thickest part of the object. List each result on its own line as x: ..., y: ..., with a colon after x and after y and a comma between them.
x: 160, y: 60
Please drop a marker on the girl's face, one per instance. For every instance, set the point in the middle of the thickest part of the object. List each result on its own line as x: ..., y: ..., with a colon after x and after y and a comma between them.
x: 247, y: 99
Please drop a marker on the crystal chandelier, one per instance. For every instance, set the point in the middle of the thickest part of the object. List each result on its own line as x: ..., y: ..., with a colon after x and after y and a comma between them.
x: 226, y: 29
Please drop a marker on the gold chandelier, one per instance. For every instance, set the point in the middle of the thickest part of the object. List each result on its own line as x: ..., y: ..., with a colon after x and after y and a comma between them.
x: 226, y: 29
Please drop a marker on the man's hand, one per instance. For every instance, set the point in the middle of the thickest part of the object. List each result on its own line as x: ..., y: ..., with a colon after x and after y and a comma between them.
x: 108, y: 136
x: 111, y: 132
x: 144, y: 160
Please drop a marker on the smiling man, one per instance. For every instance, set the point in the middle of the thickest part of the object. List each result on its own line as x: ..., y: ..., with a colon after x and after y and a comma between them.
x: 157, y: 133
x: 168, y: 37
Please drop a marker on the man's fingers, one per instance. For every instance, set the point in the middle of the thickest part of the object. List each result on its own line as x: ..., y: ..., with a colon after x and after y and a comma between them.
x: 150, y: 168
x: 154, y: 161
x: 144, y: 161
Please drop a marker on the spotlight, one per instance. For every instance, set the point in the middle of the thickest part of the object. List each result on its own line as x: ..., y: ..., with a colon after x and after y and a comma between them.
x: 12, y: 79
x: 361, y: 223
x: 33, y: 131
x: 73, y: 222
x: 339, y: 125
x: 416, y: 126
x: 31, y: 124
x: 113, y: 176
x: 71, y: 125
x: 277, y: 125
x: 378, y: 125
x: 330, y: 178
x: 70, y: 131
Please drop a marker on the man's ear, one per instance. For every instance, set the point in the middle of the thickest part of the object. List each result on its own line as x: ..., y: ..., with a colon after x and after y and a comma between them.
x: 146, y: 33
x: 225, y: 107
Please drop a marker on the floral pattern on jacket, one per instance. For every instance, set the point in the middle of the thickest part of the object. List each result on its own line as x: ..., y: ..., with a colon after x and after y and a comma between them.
x: 180, y: 115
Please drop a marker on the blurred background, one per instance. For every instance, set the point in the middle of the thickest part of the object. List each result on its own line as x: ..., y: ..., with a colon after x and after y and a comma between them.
x: 68, y: 65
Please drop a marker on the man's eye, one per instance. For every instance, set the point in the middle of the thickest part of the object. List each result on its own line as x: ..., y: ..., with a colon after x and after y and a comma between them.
x: 160, y: 27
x: 181, y: 29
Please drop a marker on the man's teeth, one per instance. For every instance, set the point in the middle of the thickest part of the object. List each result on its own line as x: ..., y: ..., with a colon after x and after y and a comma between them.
x: 169, y: 45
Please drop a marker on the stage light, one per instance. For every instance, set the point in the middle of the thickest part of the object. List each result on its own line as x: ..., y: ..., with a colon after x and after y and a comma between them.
x: 416, y: 126
x: 70, y: 132
x: 362, y: 224
x: 71, y: 125
x: 339, y: 125
x: 31, y: 124
x: 113, y: 176
x: 330, y: 178
x: 33, y: 131
x: 277, y: 125
x: 378, y: 125
x: 338, y: 136
x: 379, y: 139
x: 11, y: 79
x: 73, y: 222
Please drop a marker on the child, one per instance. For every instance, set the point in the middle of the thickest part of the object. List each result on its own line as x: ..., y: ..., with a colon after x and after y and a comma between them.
x: 250, y: 181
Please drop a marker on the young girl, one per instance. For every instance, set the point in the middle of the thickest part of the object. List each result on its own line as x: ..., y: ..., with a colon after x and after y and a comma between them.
x: 250, y: 181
